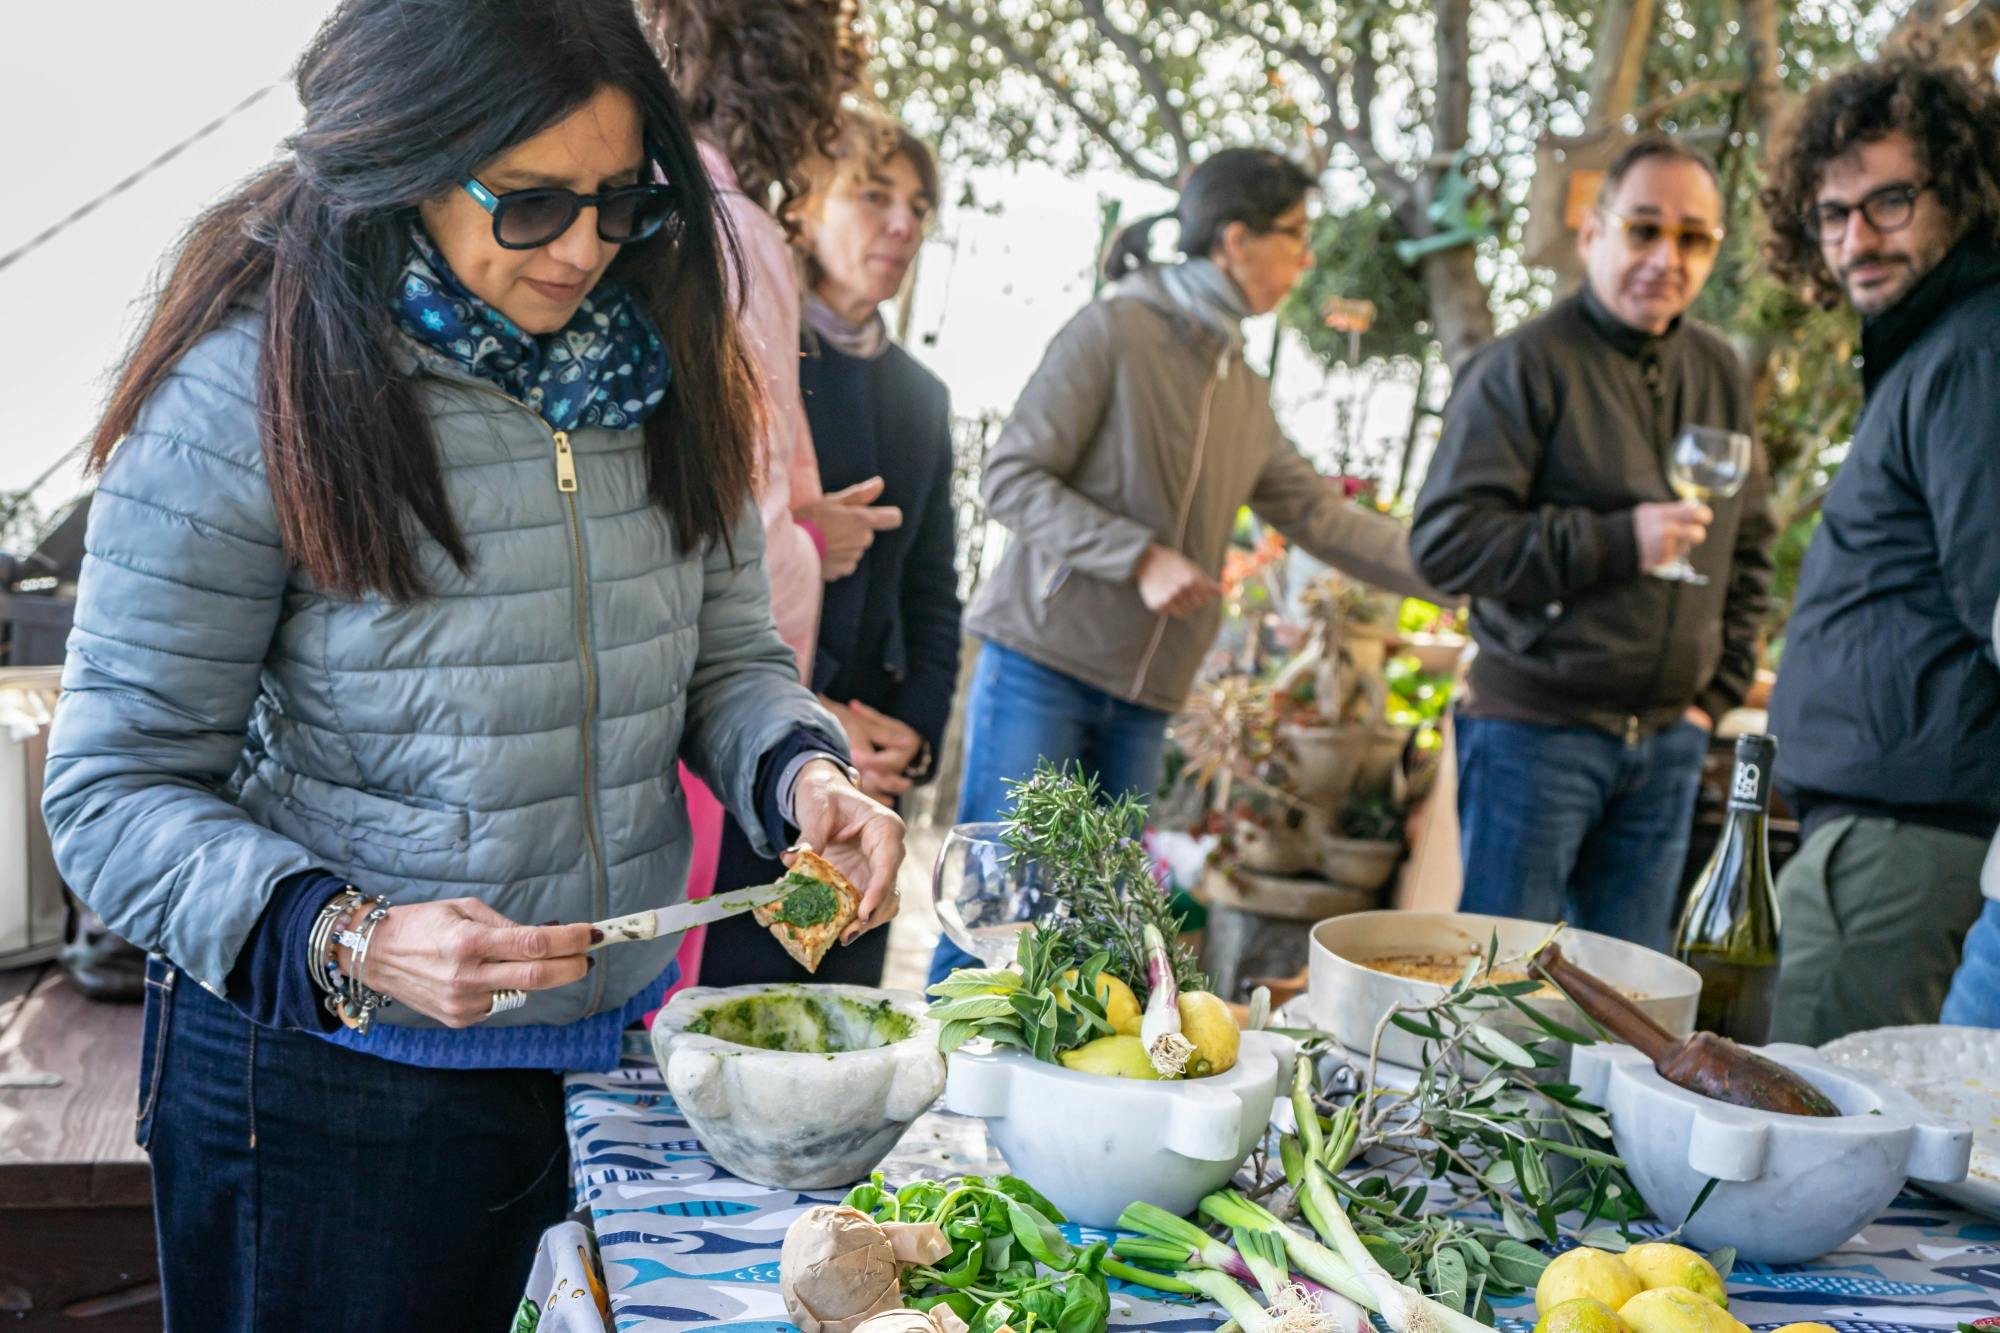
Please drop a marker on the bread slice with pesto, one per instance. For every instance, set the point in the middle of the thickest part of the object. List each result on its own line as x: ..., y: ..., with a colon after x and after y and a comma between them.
x: 819, y: 904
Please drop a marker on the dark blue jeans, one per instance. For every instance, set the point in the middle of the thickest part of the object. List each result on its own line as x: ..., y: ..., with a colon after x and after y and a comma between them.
x: 1573, y: 824
x: 304, y: 1187
x: 1018, y: 712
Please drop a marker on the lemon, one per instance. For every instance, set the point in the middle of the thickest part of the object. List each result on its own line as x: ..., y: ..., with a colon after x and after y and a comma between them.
x: 1597, y: 1274
x: 1114, y: 1057
x: 1582, y: 1315
x: 1676, y: 1310
x: 1207, y: 1023
x: 1658, y: 1264
x: 1121, y: 1006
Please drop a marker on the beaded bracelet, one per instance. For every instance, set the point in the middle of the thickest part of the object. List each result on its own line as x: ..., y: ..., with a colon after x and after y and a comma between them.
x: 319, y: 944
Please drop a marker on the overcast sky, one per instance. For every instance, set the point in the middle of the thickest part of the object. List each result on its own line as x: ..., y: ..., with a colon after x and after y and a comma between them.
x: 89, y: 93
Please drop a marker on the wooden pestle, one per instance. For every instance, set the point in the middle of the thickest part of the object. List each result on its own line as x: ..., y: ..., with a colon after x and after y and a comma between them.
x: 1702, y: 1063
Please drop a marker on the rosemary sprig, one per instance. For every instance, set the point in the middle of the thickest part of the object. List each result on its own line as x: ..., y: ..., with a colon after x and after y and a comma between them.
x: 1086, y: 844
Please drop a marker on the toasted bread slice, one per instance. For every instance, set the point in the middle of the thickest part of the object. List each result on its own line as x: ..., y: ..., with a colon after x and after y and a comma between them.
x: 809, y: 944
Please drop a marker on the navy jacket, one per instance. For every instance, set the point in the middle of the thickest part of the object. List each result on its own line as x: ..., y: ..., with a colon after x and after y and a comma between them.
x: 1888, y: 697
x: 889, y: 632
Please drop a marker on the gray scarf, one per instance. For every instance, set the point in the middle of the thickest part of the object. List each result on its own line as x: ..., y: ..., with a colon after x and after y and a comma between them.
x: 1208, y: 295
x: 866, y: 340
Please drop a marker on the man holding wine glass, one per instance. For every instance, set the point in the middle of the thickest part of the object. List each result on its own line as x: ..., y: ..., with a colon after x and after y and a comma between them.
x: 1615, y: 621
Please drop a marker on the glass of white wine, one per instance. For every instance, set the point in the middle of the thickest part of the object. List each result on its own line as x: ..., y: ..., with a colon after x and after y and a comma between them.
x: 1706, y: 463
x: 985, y: 895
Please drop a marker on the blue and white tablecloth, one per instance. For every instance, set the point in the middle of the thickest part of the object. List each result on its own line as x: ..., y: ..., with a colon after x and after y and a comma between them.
x: 689, y: 1248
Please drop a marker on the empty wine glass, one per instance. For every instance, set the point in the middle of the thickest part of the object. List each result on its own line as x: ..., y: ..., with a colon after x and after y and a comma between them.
x: 1706, y: 463
x: 985, y: 896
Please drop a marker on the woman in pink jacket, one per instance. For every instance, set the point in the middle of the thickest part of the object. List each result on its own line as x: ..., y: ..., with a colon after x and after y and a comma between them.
x: 762, y: 82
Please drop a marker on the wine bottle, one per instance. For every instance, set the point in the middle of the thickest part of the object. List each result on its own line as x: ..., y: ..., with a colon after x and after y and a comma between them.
x: 1729, y: 931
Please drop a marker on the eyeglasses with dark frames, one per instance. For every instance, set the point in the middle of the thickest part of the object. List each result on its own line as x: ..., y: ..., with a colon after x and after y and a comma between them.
x: 1642, y: 234
x: 530, y: 219
x: 1887, y: 209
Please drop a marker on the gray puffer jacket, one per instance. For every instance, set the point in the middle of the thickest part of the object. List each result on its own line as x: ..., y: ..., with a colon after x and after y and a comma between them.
x: 511, y: 737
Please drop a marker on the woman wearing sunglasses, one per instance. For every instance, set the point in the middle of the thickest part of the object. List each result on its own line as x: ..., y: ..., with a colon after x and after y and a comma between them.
x: 423, y: 546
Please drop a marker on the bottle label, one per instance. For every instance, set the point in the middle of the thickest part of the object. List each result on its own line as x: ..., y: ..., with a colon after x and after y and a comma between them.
x: 1750, y: 788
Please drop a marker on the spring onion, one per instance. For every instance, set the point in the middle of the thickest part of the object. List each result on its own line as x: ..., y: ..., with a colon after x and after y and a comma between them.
x: 1160, y: 1028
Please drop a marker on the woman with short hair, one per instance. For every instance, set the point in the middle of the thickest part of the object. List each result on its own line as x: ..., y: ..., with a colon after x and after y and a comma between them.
x: 886, y: 660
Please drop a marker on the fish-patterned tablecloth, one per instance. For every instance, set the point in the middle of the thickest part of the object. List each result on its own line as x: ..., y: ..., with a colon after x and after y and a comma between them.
x: 689, y: 1248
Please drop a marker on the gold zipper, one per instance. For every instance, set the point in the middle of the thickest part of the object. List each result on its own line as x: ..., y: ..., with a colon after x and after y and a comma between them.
x: 565, y: 464
x: 566, y: 486
x: 1187, y: 509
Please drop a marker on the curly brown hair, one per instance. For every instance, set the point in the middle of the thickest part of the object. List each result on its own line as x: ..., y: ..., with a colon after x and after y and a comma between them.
x: 763, y: 81
x: 1953, y: 121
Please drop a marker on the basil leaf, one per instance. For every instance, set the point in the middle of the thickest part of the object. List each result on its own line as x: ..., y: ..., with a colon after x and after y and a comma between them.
x: 1086, y: 1306
x: 1038, y: 1236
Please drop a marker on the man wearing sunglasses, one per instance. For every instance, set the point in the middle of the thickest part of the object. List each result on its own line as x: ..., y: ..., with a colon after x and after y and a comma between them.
x: 1587, y: 711
x: 1887, y: 708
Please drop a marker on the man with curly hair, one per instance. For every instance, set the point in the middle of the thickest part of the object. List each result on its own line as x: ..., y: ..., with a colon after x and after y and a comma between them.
x: 1588, y: 710
x: 1887, y: 708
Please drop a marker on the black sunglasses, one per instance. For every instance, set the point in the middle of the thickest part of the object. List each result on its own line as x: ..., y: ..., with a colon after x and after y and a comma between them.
x: 1887, y: 209
x: 529, y: 219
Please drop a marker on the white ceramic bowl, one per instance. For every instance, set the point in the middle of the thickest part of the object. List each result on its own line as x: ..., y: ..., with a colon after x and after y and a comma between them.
x: 1093, y: 1144
x: 793, y: 1119
x: 1793, y: 1187
x: 1349, y: 1000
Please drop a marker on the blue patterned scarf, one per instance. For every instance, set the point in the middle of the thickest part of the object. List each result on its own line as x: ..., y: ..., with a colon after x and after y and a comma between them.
x: 607, y: 367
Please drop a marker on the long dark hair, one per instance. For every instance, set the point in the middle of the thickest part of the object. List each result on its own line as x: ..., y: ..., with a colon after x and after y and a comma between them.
x: 405, y: 99
x: 1953, y: 121
x: 1253, y: 186
x: 763, y: 80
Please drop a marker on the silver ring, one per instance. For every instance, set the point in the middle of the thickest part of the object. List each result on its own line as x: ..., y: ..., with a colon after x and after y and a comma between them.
x: 504, y: 1000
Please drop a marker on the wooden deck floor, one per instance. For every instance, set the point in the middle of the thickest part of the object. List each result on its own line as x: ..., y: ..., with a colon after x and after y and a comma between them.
x: 76, y: 1211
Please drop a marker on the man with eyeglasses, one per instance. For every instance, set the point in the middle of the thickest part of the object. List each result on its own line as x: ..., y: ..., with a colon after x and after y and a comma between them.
x: 1587, y: 711
x: 1887, y: 707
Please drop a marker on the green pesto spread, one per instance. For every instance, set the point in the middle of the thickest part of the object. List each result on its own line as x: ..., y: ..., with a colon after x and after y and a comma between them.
x: 808, y: 902
x: 797, y: 1020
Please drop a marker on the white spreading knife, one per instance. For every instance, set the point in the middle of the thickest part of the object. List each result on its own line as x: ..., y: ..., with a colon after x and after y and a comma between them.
x: 672, y: 920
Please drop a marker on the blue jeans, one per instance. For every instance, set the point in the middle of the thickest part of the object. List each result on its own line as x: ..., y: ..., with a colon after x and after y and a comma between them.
x: 1974, y: 1001
x: 1572, y: 824
x: 1019, y: 712
x: 301, y: 1186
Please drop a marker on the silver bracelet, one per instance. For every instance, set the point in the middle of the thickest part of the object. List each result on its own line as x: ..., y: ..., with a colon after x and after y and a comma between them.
x: 319, y: 943
x: 357, y: 1004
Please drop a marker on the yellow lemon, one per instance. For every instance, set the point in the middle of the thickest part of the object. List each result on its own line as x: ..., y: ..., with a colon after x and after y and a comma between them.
x: 1581, y: 1315
x: 1207, y: 1023
x: 1586, y: 1272
x: 1658, y: 1264
x: 1121, y: 1006
x: 1114, y: 1057
x: 1676, y: 1310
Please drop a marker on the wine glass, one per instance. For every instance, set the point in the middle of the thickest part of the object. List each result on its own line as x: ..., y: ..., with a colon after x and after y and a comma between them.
x: 1706, y: 463
x: 985, y: 895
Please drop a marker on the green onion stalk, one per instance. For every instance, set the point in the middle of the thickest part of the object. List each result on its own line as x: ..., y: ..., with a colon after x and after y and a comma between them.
x: 1347, y: 1267
x: 1162, y: 1240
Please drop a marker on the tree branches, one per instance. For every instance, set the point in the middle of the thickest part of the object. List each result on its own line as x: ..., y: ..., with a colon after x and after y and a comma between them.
x: 996, y: 35
x: 1149, y: 79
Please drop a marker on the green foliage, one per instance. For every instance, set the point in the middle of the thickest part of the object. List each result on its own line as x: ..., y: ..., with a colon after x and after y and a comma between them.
x: 1086, y: 844
x: 1036, y: 1010
x: 1354, y: 256
x: 1009, y: 1263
